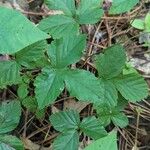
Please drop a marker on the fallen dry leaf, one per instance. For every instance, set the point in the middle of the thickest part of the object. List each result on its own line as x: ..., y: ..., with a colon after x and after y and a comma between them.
x: 73, y: 104
x: 29, y: 145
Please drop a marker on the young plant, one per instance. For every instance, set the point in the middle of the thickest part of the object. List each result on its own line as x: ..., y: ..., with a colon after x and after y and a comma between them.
x: 69, y: 124
x: 54, y: 78
x: 107, y: 113
x: 28, y: 53
x: 110, y: 66
x: 144, y: 26
x: 86, y: 12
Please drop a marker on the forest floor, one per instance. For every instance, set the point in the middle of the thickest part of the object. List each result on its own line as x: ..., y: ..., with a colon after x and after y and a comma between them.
x: 38, y: 134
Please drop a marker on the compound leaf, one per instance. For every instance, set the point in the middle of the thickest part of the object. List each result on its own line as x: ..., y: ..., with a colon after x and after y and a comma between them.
x: 59, y: 25
x: 9, y: 73
x: 65, y: 120
x: 132, y: 87
x: 89, y: 12
x: 105, y: 143
x: 68, y: 140
x: 122, y: 6
x: 9, y: 142
x: 66, y: 51
x: 49, y: 84
x: 107, y: 113
x: 67, y: 6
x: 111, y: 63
x: 9, y: 120
x: 18, y: 33
x: 91, y: 127
x: 84, y: 86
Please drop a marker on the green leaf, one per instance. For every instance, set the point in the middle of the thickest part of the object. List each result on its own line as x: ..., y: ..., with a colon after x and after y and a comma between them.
x: 65, y: 120
x: 31, y: 55
x: 9, y: 142
x: 84, y: 86
x: 108, y: 113
x: 66, y: 51
x: 120, y: 119
x: 9, y: 120
x: 110, y: 92
x: 67, y: 141
x: 9, y: 73
x: 138, y: 24
x: 111, y: 63
x: 147, y: 22
x: 30, y: 103
x: 67, y: 6
x: 40, y: 114
x: 22, y: 90
x: 59, y: 25
x: 132, y: 87
x: 3, y: 146
x: 89, y: 12
x: 106, y: 143
x: 49, y: 84
x: 122, y: 6
x: 128, y: 69
x: 18, y: 33
x: 91, y: 127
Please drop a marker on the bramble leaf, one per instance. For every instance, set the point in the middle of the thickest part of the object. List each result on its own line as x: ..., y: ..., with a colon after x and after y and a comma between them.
x: 84, y: 86
x: 111, y: 63
x: 120, y: 119
x: 122, y: 6
x: 105, y: 143
x: 18, y: 33
x: 132, y: 87
x: 9, y: 73
x: 110, y: 92
x: 91, y: 127
x: 65, y: 120
x: 9, y: 142
x: 22, y: 90
x: 59, y: 25
x: 9, y: 120
x: 89, y: 12
x: 67, y: 6
x: 68, y: 140
x: 49, y: 84
x: 32, y: 55
x: 66, y: 51
x: 107, y: 114
x: 30, y: 103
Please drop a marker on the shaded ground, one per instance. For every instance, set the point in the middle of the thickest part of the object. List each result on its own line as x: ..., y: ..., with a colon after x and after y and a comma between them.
x: 112, y: 29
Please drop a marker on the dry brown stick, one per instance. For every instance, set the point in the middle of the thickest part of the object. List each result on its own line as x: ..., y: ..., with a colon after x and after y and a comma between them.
x: 108, y: 31
x: 25, y: 126
x: 91, y: 46
x: 49, y: 138
x: 51, y: 12
x: 37, y: 131
x: 137, y: 126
